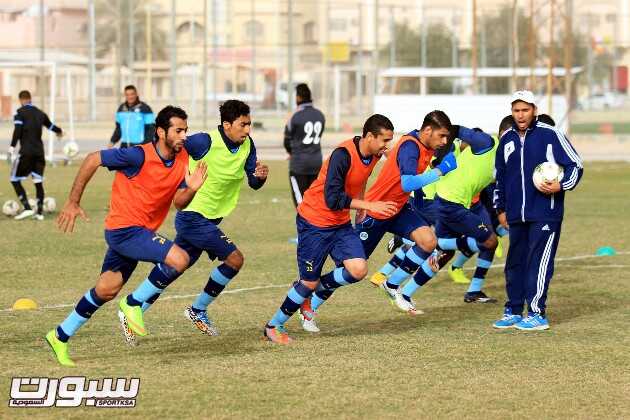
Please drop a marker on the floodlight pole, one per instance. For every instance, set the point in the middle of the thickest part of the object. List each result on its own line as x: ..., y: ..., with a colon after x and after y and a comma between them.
x: 474, y: 47
x: 290, y: 55
x: 42, y: 49
x: 91, y: 65
x: 204, y: 66
x: 173, y: 52
x: 252, y: 75
x: 551, y: 59
x: 531, y: 48
x: 568, y: 59
x: 359, y: 78
x: 130, y: 35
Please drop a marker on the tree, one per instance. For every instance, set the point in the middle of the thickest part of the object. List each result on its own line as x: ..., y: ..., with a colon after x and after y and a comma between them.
x: 408, y: 47
x: 110, y: 19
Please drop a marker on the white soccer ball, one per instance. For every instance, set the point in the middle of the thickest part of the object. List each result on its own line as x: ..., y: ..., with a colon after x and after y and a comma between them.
x: 10, y: 208
x: 50, y: 204
x: 547, y: 172
x: 71, y: 149
x: 33, y: 203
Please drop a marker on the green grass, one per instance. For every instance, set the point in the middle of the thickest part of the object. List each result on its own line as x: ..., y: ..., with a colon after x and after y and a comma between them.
x: 368, y: 362
x: 601, y: 128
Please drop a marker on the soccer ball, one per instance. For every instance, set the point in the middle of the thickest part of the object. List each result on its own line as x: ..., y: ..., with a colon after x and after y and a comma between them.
x: 33, y: 203
x: 50, y: 204
x: 10, y: 208
x: 547, y: 172
x: 71, y: 149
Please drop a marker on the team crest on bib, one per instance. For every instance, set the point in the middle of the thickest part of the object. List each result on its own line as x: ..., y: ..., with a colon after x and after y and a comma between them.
x: 363, y: 236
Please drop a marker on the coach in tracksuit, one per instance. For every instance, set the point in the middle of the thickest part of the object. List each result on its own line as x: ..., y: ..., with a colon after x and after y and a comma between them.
x: 302, y: 136
x: 534, y: 215
x: 135, y: 122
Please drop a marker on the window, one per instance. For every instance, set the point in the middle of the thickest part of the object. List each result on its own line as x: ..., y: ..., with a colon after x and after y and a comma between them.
x: 193, y: 30
x: 309, y: 32
x: 254, y: 29
x: 337, y: 24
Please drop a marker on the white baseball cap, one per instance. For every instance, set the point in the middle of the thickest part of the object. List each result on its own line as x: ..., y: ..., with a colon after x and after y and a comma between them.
x: 526, y: 96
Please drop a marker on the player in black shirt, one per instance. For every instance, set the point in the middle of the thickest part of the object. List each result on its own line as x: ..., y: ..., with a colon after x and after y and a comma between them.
x: 30, y: 160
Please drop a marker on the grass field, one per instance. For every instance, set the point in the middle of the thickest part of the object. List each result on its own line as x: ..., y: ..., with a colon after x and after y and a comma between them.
x: 369, y: 361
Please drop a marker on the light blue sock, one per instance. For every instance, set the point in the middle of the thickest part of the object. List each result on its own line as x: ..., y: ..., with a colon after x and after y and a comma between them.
x: 501, y: 231
x: 400, y: 274
x: 472, y: 244
x: 412, y: 286
x: 145, y: 291
x: 447, y: 243
x: 476, y: 284
x: 316, y: 302
x: 388, y: 268
x: 460, y: 260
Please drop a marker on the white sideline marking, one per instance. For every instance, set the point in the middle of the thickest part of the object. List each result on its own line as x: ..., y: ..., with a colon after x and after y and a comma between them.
x: 277, y: 286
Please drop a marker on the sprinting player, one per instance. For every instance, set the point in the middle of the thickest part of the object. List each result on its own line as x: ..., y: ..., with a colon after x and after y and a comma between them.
x: 302, y: 141
x: 30, y: 160
x: 534, y: 216
x: 423, y: 202
x: 135, y: 122
x: 395, y: 182
x: 229, y: 155
x: 461, y: 228
x: 323, y: 220
x: 147, y: 179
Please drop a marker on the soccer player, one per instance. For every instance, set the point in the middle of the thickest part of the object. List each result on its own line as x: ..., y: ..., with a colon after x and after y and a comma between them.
x: 323, y: 220
x: 230, y: 155
x: 302, y: 137
x: 147, y: 179
x: 534, y: 215
x: 396, y: 180
x: 31, y: 160
x: 461, y: 227
x: 135, y: 123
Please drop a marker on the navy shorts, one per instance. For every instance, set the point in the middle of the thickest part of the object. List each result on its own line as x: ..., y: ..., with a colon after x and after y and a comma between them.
x: 371, y: 230
x: 429, y: 211
x: 456, y: 220
x: 315, y: 244
x: 196, y: 234
x: 129, y: 245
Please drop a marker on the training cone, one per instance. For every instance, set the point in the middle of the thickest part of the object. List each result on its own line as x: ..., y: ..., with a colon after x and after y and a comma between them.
x: 606, y: 251
x: 24, y: 304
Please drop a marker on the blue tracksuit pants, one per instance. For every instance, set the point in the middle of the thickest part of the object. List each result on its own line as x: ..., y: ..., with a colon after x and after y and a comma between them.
x: 529, y: 264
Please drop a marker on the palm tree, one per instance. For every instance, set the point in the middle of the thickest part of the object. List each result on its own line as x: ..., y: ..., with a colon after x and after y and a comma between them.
x: 112, y: 28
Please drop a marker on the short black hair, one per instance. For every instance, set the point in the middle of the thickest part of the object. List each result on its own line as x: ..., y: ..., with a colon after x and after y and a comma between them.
x: 131, y: 87
x: 544, y: 118
x: 436, y: 119
x: 376, y: 123
x: 24, y: 94
x: 302, y: 90
x: 232, y: 109
x: 163, y: 118
x: 506, y: 123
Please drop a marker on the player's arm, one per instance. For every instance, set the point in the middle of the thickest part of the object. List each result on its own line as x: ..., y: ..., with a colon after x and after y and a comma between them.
x: 567, y: 157
x: 410, y: 180
x: 256, y: 171
x: 498, y: 196
x: 189, y: 187
x: 72, y: 208
x: 335, y: 194
x: 149, y: 123
x: 288, y: 135
x: 18, y: 128
x: 117, y: 134
x: 50, y: 126
x: 479, y: 141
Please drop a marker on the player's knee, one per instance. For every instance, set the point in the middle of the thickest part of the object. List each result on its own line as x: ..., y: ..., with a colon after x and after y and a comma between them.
x: 358, y: 270
x: 178, y: 259
x: 311, y: 284
x: 428, y: 242
x: 235, y: 260
x: 492, y: 242
x: 107, y: 292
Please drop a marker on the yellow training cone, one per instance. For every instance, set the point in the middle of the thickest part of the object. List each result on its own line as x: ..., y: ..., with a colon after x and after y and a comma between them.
x: 24, y: 303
